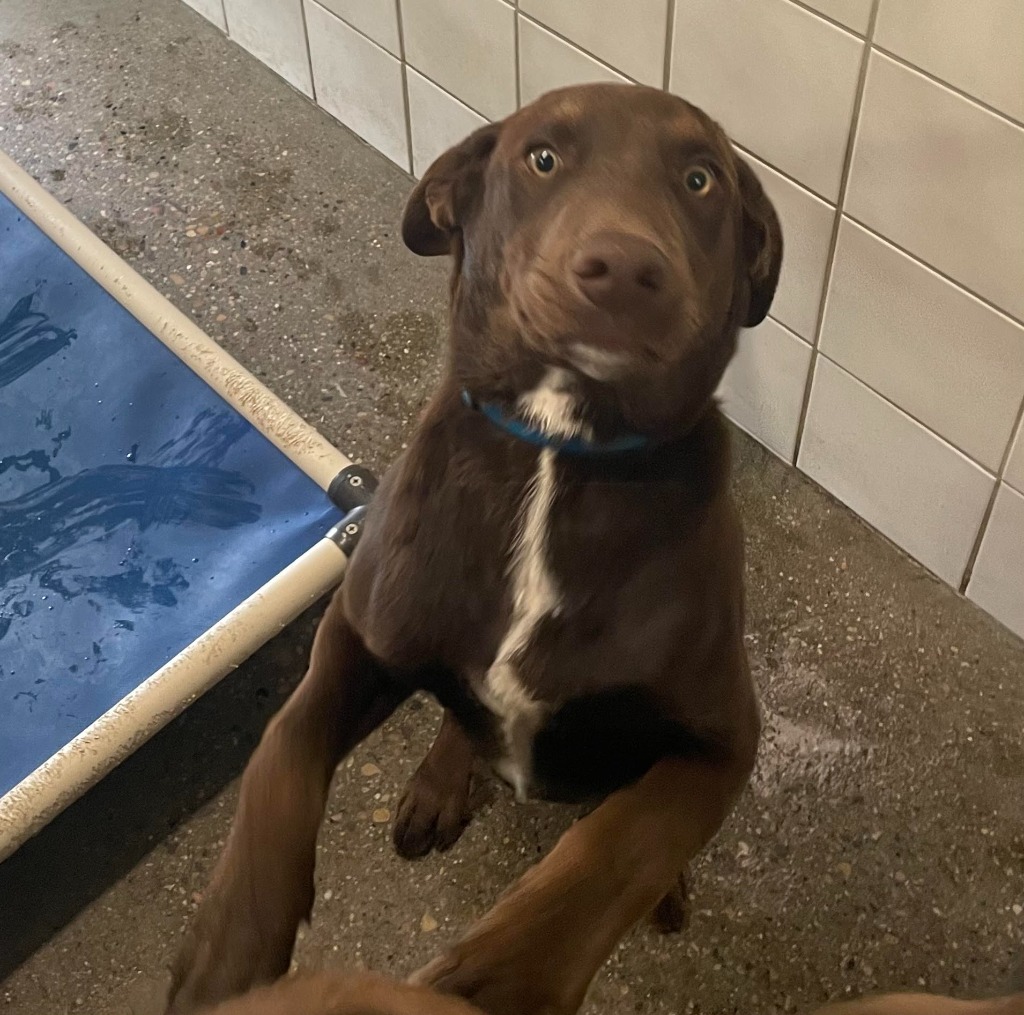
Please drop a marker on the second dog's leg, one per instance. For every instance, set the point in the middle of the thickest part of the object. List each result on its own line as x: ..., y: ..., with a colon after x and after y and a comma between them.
x: 434, y: 810
x: 262, y: 886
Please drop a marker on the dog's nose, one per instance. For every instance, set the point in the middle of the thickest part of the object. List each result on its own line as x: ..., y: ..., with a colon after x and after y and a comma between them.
x: 619, y: 272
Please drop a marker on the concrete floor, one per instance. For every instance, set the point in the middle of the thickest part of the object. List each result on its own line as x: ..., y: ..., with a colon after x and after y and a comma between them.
x: 881, y: 843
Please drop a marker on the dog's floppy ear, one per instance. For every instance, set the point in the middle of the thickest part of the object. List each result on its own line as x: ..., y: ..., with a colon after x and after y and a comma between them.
x: 445, y: 197
x: 762, y: 245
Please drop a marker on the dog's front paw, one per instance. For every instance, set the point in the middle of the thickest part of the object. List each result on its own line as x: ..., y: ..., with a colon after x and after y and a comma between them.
x: 496, y: 980
x: 672, y: 914
x: 433, y: 812
x: 231, y: 947
x: 213, y: 965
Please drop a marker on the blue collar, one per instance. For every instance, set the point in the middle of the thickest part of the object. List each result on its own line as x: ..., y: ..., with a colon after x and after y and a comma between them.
x: 516, y: 426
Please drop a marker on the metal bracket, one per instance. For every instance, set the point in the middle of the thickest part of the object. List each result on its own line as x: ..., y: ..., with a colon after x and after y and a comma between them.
x: 347, y: 532
x: 353, y: 487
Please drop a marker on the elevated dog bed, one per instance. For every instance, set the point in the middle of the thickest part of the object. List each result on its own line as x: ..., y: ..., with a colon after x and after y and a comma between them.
x: 162, y: 514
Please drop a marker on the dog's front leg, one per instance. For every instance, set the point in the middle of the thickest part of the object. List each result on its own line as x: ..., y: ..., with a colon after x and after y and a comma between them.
x: 262, y: 886
x: 538, y: 949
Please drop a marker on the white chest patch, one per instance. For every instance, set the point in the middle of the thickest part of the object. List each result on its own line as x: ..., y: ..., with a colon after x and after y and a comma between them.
x: 552, y: 407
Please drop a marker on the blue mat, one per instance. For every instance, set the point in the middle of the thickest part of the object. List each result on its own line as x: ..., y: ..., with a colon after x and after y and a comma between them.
x: 137, y: 507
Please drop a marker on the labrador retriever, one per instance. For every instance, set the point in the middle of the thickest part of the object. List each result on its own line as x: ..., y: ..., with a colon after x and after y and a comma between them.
x: 556, y: 557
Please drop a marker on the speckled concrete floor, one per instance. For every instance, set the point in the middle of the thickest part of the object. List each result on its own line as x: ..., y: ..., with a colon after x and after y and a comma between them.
x: 882, y: 840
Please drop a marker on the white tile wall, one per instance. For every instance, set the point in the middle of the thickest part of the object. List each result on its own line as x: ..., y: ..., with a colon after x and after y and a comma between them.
x: 914, y: 488
x: 213, y: 10
x: 467, y: 47
x: 1015, y: 466
x: 977, y: 47
x: 855, y: 14
x: 438, y: 121
x: 807, y: 223
x: 949, y: 360
x: 780, y: 79
x: 919, y: 372
x: 763, y: 389
x: 359, y: 83
x: 547, y: 61
x: 376, y: 18
x: 997, y: 582
x: 272, y: 30
x: 943, y: 178
x: 628, y: 35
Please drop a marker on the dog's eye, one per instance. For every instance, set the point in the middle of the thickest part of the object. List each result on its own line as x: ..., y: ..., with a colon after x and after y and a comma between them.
x: 543, y: 161
x: 698, y: 179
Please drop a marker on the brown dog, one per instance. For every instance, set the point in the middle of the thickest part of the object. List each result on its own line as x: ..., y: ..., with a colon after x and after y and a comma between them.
x: 556, y: 557
x: 365, y: 994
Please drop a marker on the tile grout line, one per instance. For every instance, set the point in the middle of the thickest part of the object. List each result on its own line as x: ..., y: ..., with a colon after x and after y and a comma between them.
x: 404, y: 65
x: 947, y: 86
x: 400, y: 25
x: 844, y: 181
x: 451, y: 95
x: 972, y: 558
x: 575, y: 45
x: 787, y: 176
x: 309, y: 55
x: 992, y: 473
x: 947, y: 278
x: 356, y: 31
x: 518, y: 59
x: 224, y: 15
x: 407, y: 166
x: 670, y: 23
x: 804, y: 6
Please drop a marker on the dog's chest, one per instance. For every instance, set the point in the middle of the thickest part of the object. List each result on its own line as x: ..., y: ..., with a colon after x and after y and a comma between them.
x: 534, y: 596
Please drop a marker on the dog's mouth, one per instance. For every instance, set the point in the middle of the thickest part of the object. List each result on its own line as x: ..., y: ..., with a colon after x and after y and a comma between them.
x: 564, y: 328
x: 640, y: 371
x: 599, y: 363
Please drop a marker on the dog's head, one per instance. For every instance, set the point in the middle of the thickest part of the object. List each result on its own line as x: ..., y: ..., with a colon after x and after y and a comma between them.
x: 610, y: 233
